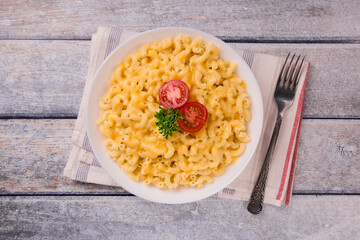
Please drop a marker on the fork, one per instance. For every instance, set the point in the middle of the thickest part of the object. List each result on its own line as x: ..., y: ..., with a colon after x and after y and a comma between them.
x: 284, y: 97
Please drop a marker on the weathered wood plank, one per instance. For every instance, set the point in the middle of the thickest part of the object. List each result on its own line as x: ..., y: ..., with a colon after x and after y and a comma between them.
x: 309, y: 217
x: 33, y: 154
x: 245, y: 19
x: 46, y: 78
x: 328, y: 157
x: 42, y: 78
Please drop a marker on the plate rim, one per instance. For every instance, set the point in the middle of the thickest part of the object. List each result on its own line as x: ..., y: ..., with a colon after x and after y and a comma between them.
x: 92, y: 144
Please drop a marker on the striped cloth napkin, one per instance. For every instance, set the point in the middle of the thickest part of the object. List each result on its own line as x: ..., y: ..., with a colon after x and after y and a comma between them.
x: 83, y: 166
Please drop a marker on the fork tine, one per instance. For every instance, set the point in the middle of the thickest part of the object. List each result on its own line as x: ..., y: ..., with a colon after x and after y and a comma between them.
x: 289, y: 70
x: 293, y: 71
x: 297, y: 75
x: 282, y: 70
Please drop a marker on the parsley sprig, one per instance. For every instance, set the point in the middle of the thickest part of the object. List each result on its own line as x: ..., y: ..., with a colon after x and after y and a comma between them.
x: 167, y: 121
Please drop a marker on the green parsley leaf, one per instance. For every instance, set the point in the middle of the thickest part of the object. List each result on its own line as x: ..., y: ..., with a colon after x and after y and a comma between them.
x: 167, y: 121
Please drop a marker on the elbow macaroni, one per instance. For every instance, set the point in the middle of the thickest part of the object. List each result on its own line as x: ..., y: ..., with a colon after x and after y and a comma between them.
x: 185, y: 159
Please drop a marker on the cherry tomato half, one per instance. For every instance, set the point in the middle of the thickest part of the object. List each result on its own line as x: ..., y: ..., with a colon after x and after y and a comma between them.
x: 174, y: 94
x: 195, y: 115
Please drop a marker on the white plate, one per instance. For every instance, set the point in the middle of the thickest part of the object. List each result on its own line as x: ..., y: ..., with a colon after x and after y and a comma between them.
x: 100, y: 85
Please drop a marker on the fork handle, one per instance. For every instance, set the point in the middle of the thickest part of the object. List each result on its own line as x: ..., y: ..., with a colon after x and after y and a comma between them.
x: 257, y: 196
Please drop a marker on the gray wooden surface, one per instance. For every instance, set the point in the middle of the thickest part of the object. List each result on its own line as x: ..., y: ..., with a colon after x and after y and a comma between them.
x: 247, y: 20
x: 309, y: 217
x: 44, y: 55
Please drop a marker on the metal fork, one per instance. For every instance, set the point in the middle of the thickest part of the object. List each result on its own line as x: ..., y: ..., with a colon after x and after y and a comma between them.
x: 284, y: 97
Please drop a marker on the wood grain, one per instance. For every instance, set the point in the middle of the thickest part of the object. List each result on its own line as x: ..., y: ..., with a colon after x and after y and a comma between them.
x: 33, y: 154
x: 245, y: 20
x: 46, y: 78
x: 43, y: 79
x: 309, y: 217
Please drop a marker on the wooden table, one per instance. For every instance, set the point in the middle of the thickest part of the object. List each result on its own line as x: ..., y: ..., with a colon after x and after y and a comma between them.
x: 44, y: 55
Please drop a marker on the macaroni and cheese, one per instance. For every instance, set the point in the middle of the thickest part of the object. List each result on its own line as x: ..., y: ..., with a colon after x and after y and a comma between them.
x: 185, y: 159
